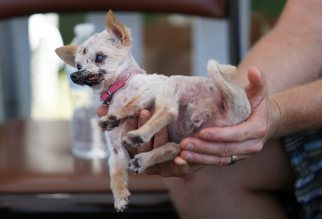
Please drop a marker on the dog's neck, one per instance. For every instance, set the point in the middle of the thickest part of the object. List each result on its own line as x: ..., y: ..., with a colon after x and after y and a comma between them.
x: 127, y: 69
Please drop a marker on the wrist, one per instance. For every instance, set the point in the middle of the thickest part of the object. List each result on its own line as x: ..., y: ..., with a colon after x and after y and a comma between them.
x: 275, y: 117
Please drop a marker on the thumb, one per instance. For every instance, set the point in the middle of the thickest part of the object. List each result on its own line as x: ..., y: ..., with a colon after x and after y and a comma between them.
x: 102, y: 110
x: 257, y: 83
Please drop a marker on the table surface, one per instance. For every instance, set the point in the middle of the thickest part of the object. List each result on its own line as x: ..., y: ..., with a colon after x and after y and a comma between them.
x: 35, y: 158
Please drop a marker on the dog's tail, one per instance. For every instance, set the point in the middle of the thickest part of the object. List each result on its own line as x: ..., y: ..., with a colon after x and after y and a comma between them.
x: 233, y: 95
x: 226, y: 71
x: 220, y: 75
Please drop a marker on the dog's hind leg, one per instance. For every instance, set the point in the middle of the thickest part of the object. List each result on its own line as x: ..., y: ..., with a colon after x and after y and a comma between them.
x: 142, y: 161
x: 166, y: 110
x: 147, y: 161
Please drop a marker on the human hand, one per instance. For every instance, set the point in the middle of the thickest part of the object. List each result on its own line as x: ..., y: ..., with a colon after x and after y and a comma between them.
x: 165, y: 169
x: 224, y: 145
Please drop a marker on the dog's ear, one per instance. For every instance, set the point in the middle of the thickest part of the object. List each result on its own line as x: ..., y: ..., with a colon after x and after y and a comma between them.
x: 118, y: 29
x: 67, y: 54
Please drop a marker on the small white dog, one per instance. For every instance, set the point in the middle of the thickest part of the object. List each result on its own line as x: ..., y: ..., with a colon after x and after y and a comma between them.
x: 183, y: 104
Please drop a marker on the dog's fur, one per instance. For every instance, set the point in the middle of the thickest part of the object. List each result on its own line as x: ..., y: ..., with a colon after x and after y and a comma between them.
x: 183, y: 104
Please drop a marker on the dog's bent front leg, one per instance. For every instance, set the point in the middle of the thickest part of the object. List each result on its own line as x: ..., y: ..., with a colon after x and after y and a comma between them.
x: 118, y: 166
x: 117, y: 114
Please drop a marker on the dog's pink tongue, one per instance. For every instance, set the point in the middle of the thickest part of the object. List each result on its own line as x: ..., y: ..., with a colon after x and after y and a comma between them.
x: 94, y: 77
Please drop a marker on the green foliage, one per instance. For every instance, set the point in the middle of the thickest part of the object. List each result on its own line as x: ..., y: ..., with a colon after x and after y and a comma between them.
x: 67, y: 21
x: 271, y: 8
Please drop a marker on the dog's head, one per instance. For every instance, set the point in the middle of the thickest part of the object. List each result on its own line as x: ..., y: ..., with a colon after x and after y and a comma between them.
x: 102, y: 56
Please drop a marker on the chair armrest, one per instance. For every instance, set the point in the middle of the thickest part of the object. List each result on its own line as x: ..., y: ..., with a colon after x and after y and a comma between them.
x: 211, y: 8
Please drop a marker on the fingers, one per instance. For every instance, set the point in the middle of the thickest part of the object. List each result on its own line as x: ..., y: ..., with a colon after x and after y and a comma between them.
x: 219, y: 149
x: 237, y: 133
x: 256, y: 78
x: 180, y: 161
x: 102, y: 110
x: 153, y: 170
x: 170, y: 169
x: 205, y: 159
x: 257, y: 89
x: 165, y: 170
x: 144, y: 116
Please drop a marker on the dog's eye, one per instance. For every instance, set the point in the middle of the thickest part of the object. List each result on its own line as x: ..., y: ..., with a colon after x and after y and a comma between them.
x: 100, y: 58
x: 79, y: 67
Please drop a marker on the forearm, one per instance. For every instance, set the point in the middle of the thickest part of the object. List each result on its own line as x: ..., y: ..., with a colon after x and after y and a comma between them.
x: 297, y: 109
x: 291, y: 53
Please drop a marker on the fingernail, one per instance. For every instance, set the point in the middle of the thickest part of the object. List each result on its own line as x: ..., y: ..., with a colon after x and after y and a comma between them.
x: 187, y: 155
x: 205, y: 135
x: 131, y: 121
x: 189, y: 146
x: 143, y: 119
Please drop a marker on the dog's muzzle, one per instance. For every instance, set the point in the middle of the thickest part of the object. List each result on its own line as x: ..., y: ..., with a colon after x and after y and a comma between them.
x: 83, y: 77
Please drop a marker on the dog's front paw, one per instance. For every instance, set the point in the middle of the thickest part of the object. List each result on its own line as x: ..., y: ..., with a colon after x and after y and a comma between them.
x: 136, y: 164
x: 109, y: 122
x: 131, y: 139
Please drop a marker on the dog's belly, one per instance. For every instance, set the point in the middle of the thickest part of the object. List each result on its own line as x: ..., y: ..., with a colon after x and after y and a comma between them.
x: 178, y: 131
x: 184, y: 126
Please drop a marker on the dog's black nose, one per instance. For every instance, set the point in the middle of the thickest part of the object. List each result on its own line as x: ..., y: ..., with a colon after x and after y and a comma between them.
x: 74, y: 76
x: 79, y: 77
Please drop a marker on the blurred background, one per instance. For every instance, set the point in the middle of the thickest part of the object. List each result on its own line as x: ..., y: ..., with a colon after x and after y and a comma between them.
x: 43, y: 115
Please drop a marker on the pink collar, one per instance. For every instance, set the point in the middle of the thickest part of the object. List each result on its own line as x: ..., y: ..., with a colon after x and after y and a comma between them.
x: 106, y: 95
